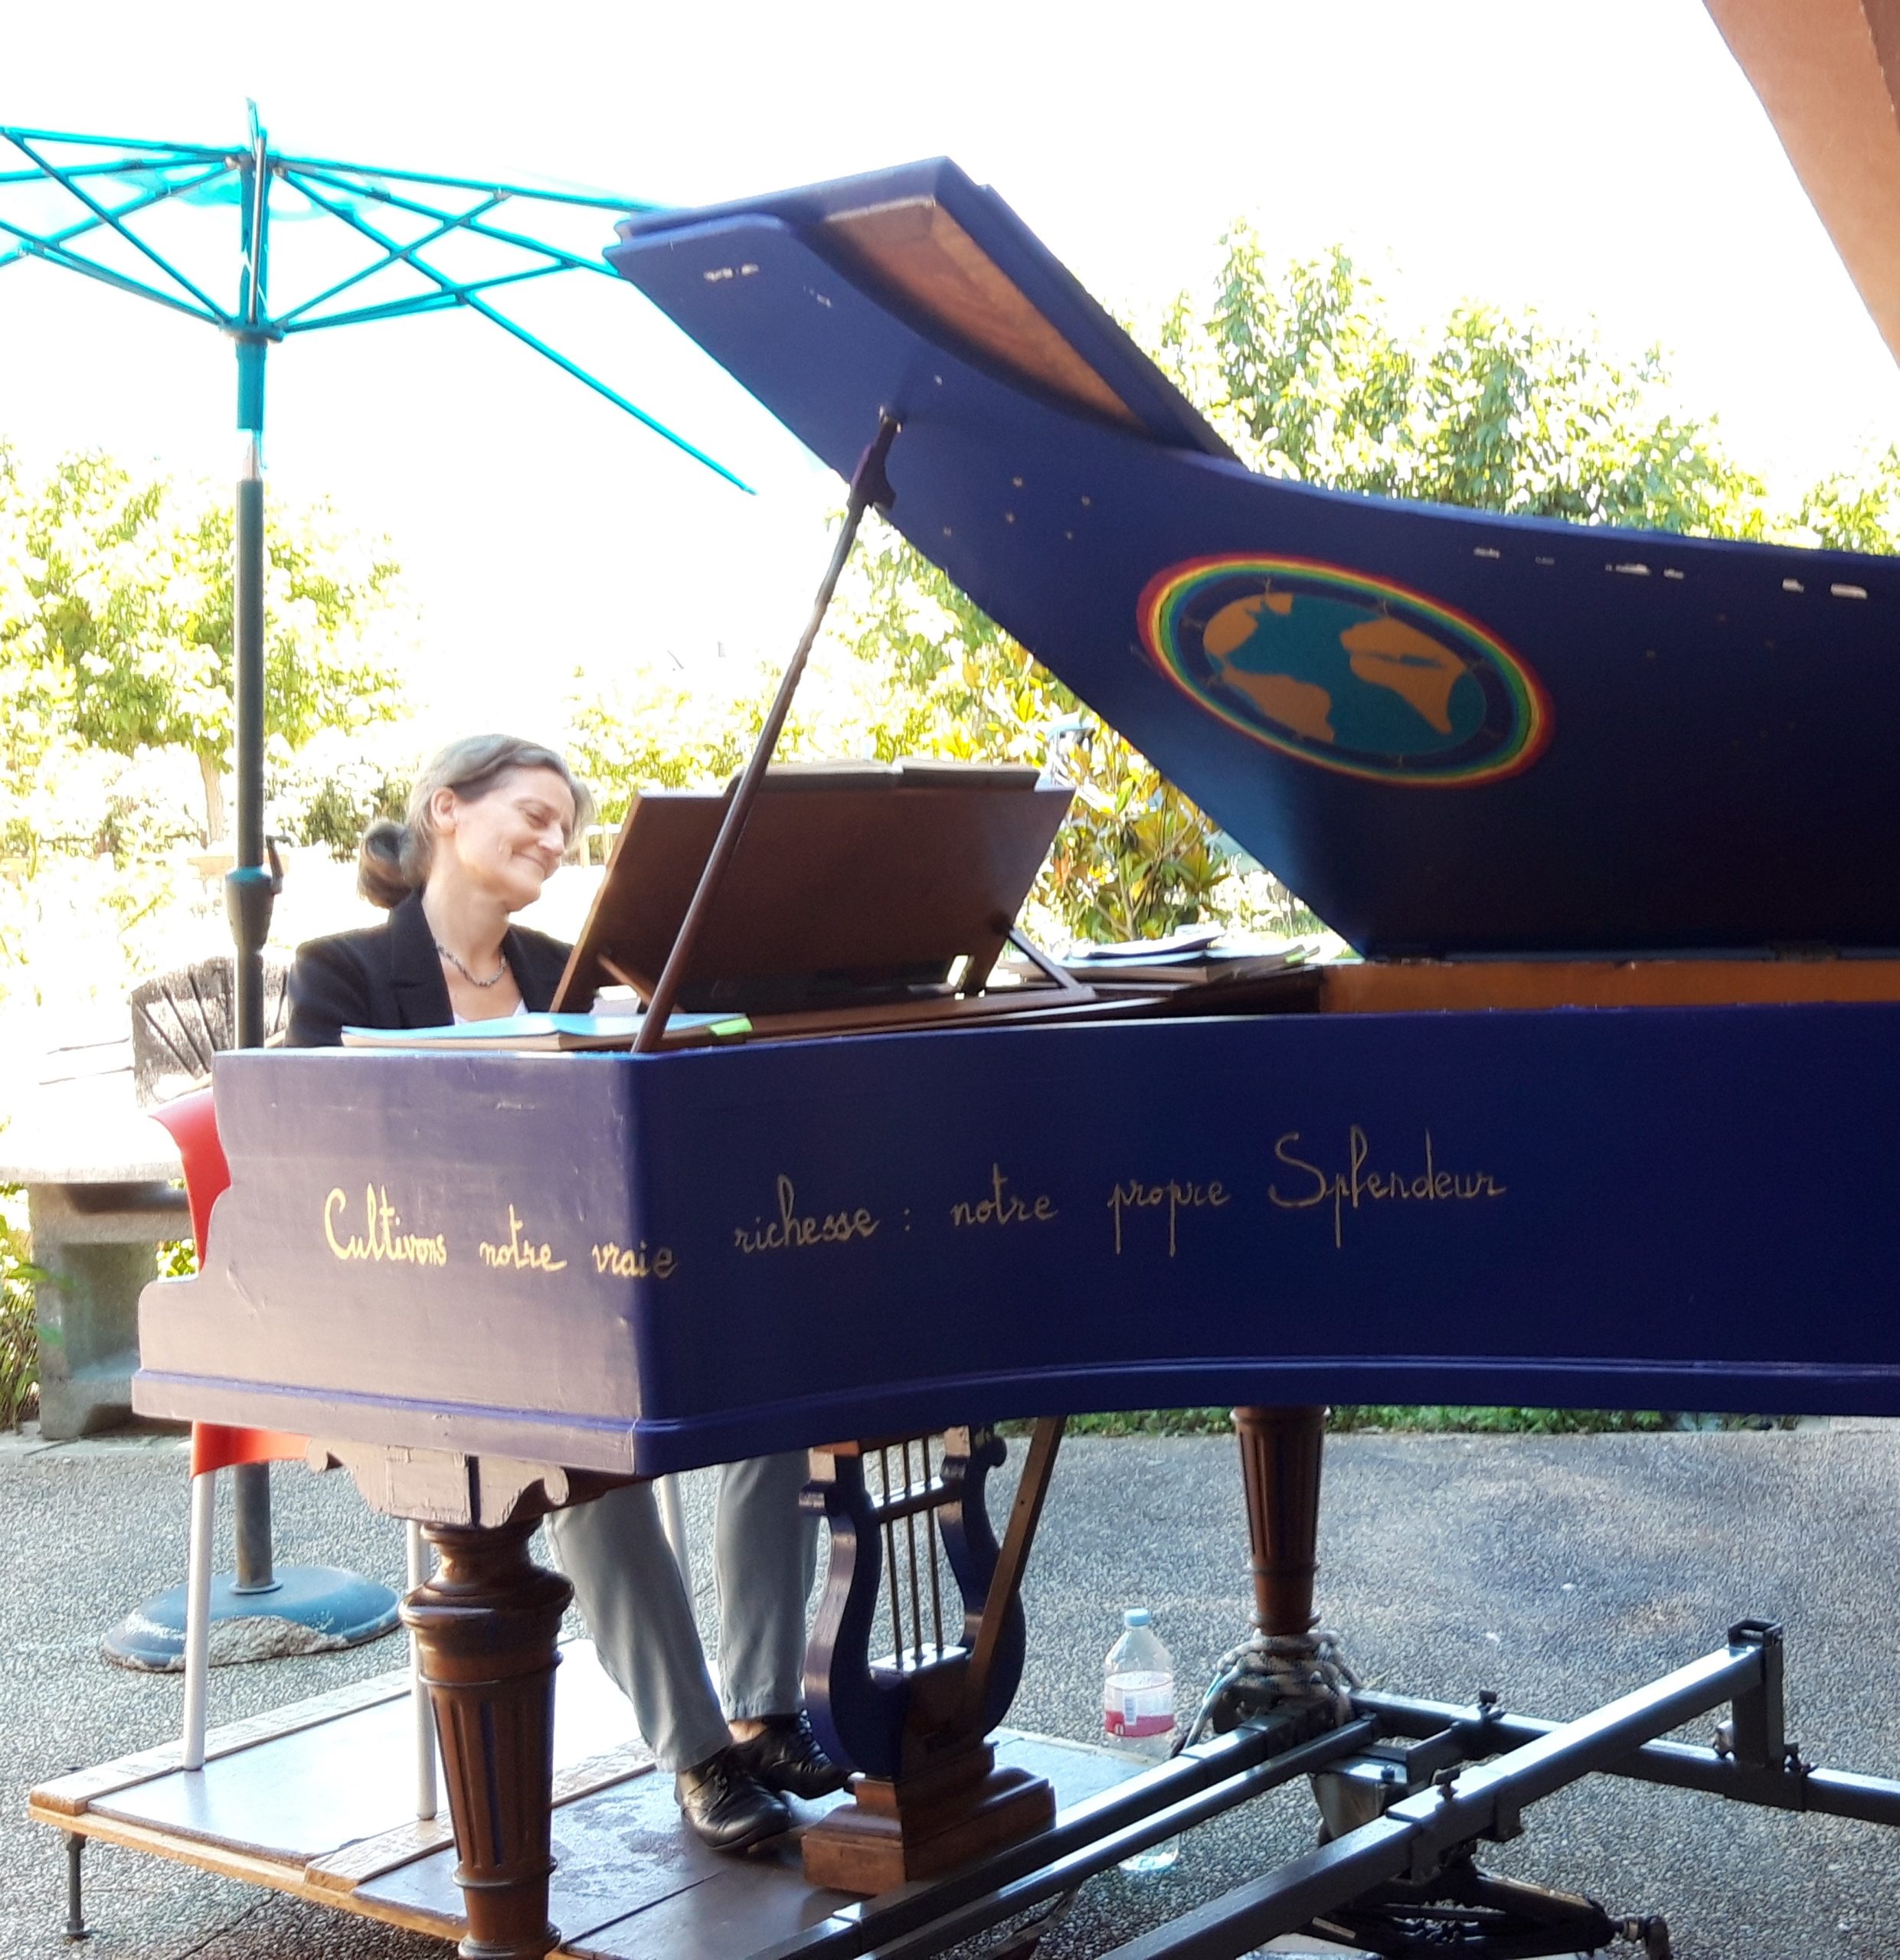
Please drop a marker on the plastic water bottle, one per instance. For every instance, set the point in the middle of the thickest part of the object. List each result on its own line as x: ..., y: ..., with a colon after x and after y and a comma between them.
x: 1138, y: 1712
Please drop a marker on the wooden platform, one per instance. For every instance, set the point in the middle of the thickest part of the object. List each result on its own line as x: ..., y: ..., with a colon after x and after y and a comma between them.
x: 317, y: 1799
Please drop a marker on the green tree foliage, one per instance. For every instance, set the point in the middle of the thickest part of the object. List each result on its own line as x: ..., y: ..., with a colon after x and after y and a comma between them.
x: 1302, y: 368
x: 646, y: 733
x: 116, y: 621
x: 1860, y: 512
x: 35, y: 716
x: 330, y: 791
x: 1136, y: 857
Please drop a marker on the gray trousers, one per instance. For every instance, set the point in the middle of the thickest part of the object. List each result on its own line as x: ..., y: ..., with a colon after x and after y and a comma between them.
x: 631, y: 1595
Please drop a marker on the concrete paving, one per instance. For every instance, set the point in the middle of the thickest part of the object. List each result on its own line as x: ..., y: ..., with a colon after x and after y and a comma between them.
x: 1560, y: 1572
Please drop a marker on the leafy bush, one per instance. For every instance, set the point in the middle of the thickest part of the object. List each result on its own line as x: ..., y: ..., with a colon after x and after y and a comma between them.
x: 145, y: 804
x: 1456, y: 1418
x: 344, y: 805
x: 331, y: 791
x: 19, y: 1353
x: 1428, y: 1418
x: 19, y: 1341
x: 178, y: 1259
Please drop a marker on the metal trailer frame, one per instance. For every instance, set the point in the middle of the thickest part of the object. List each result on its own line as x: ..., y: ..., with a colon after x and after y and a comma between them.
x: 1430, y: 1781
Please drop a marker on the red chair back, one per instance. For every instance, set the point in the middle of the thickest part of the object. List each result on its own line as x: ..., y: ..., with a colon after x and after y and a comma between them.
x: 192, y: 1120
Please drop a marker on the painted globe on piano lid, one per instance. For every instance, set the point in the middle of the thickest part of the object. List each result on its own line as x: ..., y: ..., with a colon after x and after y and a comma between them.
x: 1349, y: 672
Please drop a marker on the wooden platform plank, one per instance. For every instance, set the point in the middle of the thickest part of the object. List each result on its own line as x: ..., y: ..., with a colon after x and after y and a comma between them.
x: 228, y: 1863
x: 71, y: 1794
x: 284, y: 1805
x: 295, y: 1798
x: 224, y: 1860
x: 305, y: 1792
x: 336, y: 1770
x: 597, y: 1772
x: 616, y: 1853
x: 746, y: 1905
x: 372, y: 1857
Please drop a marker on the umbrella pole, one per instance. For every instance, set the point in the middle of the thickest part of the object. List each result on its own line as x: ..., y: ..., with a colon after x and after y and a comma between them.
x: 248, y: 891
x: 321, y: 1597
x: 249, y: 888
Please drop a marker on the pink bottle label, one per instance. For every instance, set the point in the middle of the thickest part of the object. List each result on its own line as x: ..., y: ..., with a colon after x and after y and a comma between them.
x: 1138, y: 1704
x: 1118, y: 1724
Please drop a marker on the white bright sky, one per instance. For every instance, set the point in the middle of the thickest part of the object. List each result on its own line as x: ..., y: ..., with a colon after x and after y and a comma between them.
x: 1605, y: 161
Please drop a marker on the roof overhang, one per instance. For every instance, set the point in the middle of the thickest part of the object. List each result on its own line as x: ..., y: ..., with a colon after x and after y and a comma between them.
x: 1825, y: 71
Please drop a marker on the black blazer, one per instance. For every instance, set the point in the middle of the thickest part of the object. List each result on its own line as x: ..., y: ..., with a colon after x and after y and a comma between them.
x: 391, y: 976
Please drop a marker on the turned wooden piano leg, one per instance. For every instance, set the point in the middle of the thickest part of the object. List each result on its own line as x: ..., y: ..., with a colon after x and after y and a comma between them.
x: 486, y: 1626
x: 1280, y: 1451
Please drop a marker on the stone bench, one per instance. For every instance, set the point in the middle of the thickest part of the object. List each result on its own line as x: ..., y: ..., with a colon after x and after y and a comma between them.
x: 100, y: 1198
x: 100, y: 1177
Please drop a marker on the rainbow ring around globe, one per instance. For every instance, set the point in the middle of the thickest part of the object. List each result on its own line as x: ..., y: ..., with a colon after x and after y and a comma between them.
x: 1350, y: 673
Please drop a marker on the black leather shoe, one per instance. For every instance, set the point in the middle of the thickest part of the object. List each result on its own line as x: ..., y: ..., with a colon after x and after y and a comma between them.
x: 727, y: 1807
x: 785, y: 1755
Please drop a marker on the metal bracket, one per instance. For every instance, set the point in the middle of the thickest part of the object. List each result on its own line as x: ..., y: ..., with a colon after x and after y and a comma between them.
x: 1756, y: 1732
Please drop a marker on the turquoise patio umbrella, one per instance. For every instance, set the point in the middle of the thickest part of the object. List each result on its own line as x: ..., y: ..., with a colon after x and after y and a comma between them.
x: 374, y: 244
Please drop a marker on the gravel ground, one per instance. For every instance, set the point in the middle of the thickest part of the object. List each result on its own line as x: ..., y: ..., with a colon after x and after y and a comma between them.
x: 1560, y: 1572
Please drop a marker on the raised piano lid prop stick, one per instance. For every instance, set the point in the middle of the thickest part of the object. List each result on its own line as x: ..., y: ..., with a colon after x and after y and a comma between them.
x: 869, y: 485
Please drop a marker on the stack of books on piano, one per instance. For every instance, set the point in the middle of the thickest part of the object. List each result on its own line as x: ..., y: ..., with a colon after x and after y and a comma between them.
x: 549, y: 1033
x: 1194, y: 956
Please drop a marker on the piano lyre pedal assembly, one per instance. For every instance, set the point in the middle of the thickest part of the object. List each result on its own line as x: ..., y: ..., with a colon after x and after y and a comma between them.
x: 1605, y: 1112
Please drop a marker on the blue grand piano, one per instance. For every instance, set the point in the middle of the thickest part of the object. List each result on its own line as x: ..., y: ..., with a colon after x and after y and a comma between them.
x: 1607, y: 1113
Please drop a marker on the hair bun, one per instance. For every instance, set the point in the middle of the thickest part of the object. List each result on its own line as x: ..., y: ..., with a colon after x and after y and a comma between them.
x: 379, y: 876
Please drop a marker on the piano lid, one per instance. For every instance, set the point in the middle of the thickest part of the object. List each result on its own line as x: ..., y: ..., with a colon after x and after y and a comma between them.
x: 1451, y: 733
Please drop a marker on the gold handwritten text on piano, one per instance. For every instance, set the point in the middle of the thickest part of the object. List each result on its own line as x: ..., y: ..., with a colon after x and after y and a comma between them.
x: 634, y: 1262
x: 1002, y: 1206
x: 1135, y: 1195
x: 520, y: 1254
x: 1357, y: 1186
x: 791, y: 1229
x: 382, y: 1237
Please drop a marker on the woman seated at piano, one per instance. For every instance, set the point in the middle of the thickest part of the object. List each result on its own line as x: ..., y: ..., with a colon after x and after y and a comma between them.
x: 490, y: 820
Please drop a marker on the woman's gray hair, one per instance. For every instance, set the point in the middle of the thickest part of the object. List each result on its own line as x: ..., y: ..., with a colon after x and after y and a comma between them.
x: 395, y: 856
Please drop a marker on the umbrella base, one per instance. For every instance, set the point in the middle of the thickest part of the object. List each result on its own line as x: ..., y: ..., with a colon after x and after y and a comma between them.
x: 309, y: 1609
